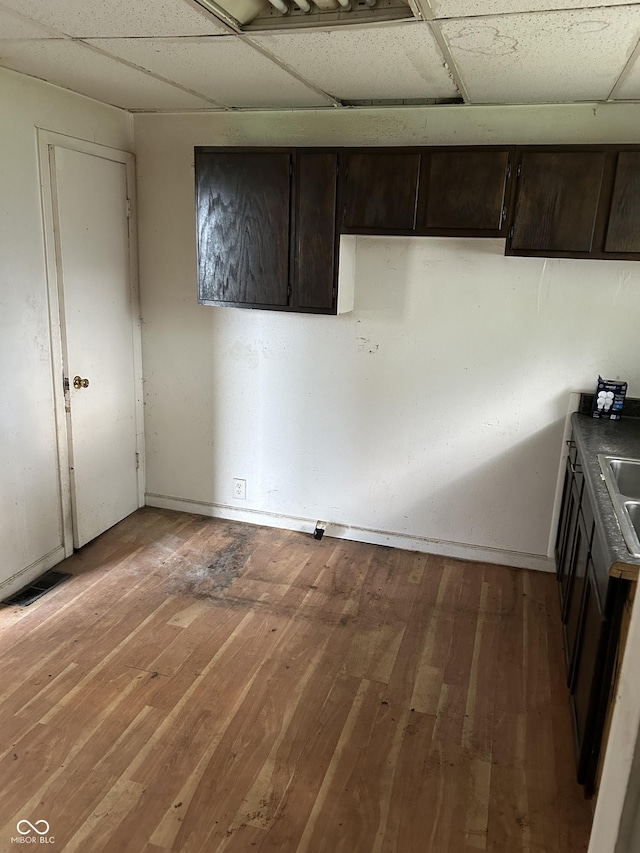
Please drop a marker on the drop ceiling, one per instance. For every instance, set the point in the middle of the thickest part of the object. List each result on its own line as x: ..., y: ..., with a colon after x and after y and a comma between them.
x: 174, y: 55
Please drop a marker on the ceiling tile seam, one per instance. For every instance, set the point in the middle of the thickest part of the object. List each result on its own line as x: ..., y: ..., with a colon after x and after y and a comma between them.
x: 37, y: 39
x: 423, y: 10
x: 59, y: 34
x: 248, y: 40
x: 149, y: 73
x: 452, y: 68
x: 625, y: 71
x: 153, y: 38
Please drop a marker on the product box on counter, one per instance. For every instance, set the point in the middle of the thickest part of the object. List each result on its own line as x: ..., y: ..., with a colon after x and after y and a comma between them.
x: 608, y: 401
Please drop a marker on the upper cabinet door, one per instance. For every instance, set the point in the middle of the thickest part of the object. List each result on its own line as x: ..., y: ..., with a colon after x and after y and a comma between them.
x: 243, y: 202
x: 381, y: 191
x: 316, y: 262
x: 465, y: 191
x: 557, y: 197
x: 623, y: 231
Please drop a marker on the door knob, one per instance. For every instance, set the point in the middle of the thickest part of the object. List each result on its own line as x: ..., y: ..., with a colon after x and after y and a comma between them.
x: 80, y: 383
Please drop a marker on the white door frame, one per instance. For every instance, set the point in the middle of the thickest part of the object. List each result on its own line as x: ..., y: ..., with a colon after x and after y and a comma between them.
x: 46, y: 140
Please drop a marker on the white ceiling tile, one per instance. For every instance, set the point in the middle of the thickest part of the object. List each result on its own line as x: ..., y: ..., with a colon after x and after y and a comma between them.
x: 391, y: 61
x: 76, y: 67
x: 15, y: 26
x: 543, y: 58
x: 223, y: 69
x: 630, y: 88
x: 114, y: 18
x: 474, y: 8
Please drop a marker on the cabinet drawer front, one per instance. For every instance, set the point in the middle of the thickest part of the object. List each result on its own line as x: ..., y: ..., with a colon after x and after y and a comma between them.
x: 243, y: 215
x: 557, y: 201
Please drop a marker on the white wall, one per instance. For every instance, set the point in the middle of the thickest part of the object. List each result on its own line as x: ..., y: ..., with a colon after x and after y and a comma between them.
x: 431, y: 416
x: 30, y: 521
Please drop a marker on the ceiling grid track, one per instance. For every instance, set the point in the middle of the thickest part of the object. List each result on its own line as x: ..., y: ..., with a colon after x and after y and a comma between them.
x: 422, y: 9
x: 245, y: 55
x: 152, y: 74
x: 234, y: 29
x: 331, y: 101
x: 635, y: 53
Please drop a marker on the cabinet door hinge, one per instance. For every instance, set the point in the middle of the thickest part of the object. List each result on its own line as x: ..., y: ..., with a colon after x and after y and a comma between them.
x: 511, y: 233
x: 137, y: 460
x: 128, y: 208
x: 504, y: 213
x: 508, y: 170
x: 519, y: 172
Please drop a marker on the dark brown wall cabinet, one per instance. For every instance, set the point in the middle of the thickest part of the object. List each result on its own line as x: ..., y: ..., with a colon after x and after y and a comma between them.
x: 266, y: 228
x: 581, y: 203
x: 623, y: 231
x: 591, y: 605
x: 426, y: 191
x: 269, y: 220
x: 557, y: 201
x: 381, y: 191
x: 464, y: 191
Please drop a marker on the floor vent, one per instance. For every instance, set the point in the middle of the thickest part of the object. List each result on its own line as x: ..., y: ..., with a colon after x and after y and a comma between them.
x: 36, y: 589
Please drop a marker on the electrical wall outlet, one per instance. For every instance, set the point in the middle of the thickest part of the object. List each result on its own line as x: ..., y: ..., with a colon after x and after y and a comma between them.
x: 239, y: 489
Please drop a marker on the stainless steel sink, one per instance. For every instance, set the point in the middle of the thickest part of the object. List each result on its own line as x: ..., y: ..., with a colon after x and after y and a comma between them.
x: 626, y: 473
x: 633, y: 511
x: 622, y: 478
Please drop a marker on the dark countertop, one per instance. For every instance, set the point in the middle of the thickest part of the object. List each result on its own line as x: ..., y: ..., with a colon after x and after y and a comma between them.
x: 615, y: 438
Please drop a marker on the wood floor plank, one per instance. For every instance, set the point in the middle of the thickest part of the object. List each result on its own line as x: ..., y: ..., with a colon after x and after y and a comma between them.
x: 203, y: 685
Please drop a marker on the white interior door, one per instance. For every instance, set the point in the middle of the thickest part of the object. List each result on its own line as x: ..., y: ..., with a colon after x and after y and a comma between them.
x: 98, y: 323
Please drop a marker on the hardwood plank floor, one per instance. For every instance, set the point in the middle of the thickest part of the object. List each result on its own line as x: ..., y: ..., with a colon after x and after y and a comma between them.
x: 203, y: 685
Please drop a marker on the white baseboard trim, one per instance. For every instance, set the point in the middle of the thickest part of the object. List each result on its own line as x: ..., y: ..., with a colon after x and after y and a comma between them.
x: 457, y: 550
x: 30, y: 573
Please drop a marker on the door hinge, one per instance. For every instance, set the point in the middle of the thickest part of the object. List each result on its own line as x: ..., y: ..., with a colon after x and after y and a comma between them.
x: 511, y: 233
x: 519, y: 172
x: 504, y: 213
x: 508, y: 170
x: 137, y: 460
x: 128, y: 208
x: 67, y: 396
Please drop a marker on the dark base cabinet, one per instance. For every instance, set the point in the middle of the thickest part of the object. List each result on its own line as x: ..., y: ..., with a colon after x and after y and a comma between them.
x: 591, y: 605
